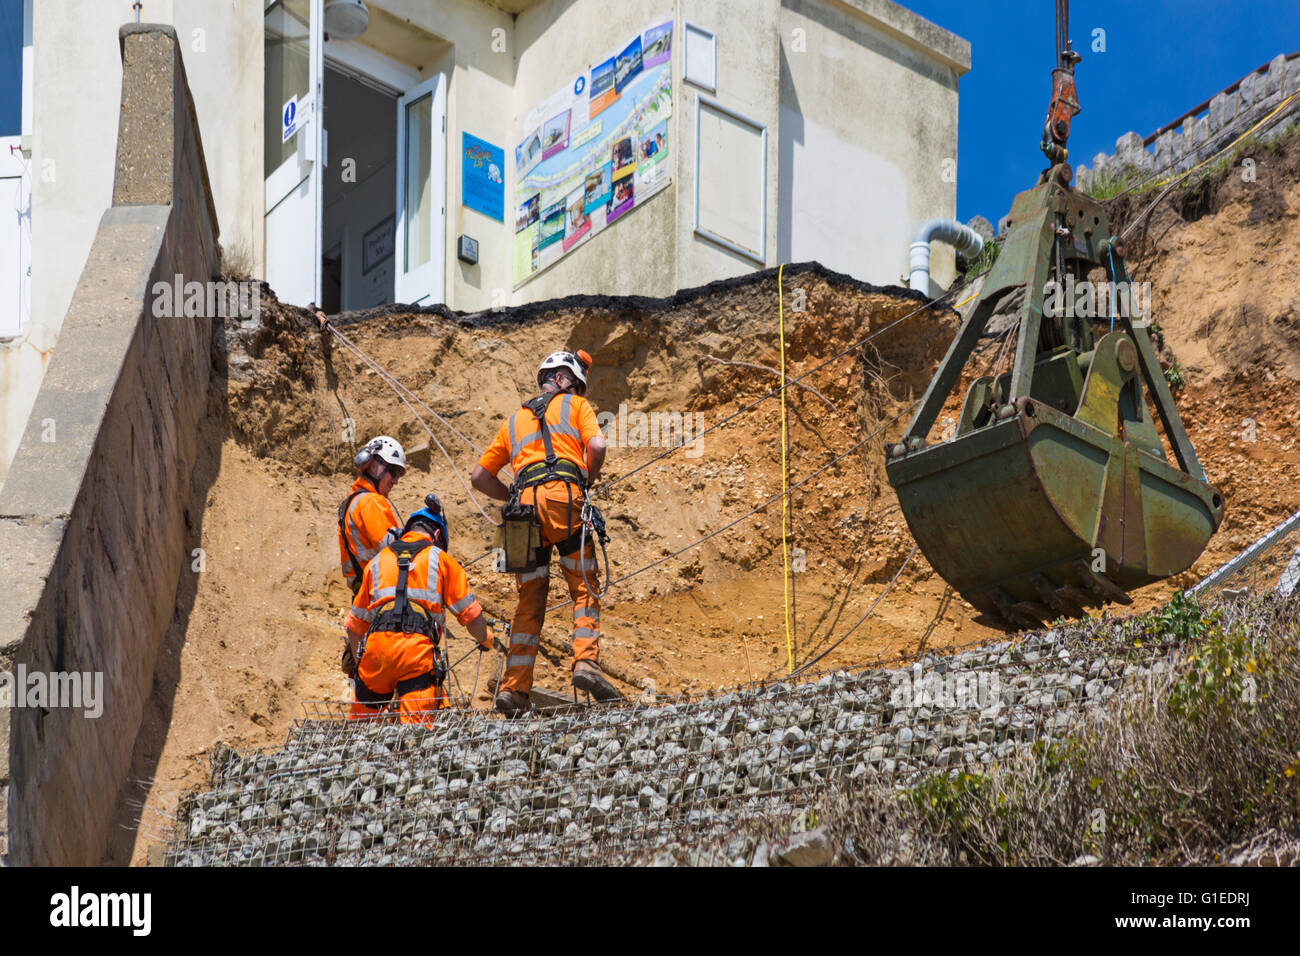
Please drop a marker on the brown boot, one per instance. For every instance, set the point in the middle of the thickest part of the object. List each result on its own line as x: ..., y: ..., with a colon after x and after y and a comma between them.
x: 588, y: 676
x: 512, y: 702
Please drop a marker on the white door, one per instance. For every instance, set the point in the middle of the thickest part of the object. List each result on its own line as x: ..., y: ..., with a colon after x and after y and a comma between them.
x: 15, y: 239
x: 421, y: 192
x: 294, y: 148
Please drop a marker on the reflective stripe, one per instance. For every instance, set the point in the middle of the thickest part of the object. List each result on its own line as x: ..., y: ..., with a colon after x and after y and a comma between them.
x: 374, y: 570
x: 591, y: 612
x: 363, y: 553
x: 523, y: 640
x: 543, y: 572
x: 514, y: 442
x: 363, y: 614
x: 380, y: 593
x: 563, y: 427
x: 586, y: 564
x: 517, y: 447
x: 457, y: 606
x: 422, y: 594
x: 583, y: 632
x: 521, y: 660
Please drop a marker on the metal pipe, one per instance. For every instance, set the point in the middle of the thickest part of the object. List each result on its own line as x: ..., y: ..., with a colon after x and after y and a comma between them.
x: 965, y: 239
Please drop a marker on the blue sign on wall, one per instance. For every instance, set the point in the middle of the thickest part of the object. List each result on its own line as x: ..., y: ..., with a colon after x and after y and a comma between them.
x: 482, y: 177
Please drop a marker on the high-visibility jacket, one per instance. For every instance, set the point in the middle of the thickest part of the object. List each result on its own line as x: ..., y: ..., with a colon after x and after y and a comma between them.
x: 435, y: 581
x: 569, y: 418
x: 368, y: 523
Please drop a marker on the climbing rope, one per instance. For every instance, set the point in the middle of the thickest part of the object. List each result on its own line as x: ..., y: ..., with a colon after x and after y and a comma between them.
x: 785, y: 474
x: 398, y: 389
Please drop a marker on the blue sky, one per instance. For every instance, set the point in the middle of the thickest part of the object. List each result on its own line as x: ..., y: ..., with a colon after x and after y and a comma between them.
x: 1162, y: 58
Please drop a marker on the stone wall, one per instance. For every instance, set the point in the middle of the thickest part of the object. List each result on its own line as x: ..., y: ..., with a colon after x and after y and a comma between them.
x: 1225, y: 117
x: 94, y: 527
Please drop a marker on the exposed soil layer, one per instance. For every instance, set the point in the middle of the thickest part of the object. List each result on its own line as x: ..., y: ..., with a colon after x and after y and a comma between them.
x: 263, y: 633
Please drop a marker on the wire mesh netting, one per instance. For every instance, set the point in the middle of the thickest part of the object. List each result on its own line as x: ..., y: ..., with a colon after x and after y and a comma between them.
x: 1271, y: 563
x: 620, y: 783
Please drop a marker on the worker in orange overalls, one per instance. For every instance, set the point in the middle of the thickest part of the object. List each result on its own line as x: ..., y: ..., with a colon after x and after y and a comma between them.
x: 367, y: 519
x: 396, y: 624
x: 556, y: 451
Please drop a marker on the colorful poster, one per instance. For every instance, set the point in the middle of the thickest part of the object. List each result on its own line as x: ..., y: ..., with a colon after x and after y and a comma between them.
x: 528, y: 153
x: 602, y: 87
x: 577, y: 223
x: 579, y: 171
x: 555, y: 134
x: 599, y: 185
x: 529, y: 211
x: 652, y: 151
x: 552, y: 225
x: 482, y: 182
x: 656, y: 45
x: 624, y: 157
x: 622, y: 199
x: 628, y: 66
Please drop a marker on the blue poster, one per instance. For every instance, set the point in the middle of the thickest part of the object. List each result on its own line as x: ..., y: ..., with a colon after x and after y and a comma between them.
x: 482, y: 177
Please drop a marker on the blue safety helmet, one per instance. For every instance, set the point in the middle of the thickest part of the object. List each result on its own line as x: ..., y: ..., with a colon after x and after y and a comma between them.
x: 431, y: 514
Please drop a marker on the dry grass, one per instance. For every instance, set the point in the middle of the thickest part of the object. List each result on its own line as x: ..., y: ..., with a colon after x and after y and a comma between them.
x: 1177, y: 772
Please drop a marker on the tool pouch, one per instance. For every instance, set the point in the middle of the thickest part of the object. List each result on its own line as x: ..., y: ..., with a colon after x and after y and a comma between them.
x: 520, y: 536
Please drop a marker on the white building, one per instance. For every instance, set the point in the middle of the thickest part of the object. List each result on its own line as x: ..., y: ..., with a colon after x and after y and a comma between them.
x: 354, y: 147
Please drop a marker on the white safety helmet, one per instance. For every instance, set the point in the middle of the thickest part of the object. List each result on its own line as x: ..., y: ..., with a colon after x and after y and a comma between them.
x: 388, y: 450
x: 575, y: 363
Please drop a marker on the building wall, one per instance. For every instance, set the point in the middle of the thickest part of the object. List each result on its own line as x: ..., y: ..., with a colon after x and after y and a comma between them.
x: 856, y: 183
x: 747, y: 82
x: 844, y: 186
x: 77, y: 78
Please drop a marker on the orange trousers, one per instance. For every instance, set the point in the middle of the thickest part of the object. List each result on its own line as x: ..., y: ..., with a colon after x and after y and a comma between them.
x: 559, y: 519
x: 390, y: 658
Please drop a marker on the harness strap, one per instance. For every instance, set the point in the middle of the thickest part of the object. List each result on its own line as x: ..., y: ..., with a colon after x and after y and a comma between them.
x: 347, y: 544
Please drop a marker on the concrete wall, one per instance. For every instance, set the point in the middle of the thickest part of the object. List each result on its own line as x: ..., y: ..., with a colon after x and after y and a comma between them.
x: 93, y: 520
x: 1224, y: 118
x: 855, y: 183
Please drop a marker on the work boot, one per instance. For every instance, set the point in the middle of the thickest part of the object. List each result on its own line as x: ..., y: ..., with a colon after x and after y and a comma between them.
x: 588, y: 676
x: 512, y: 702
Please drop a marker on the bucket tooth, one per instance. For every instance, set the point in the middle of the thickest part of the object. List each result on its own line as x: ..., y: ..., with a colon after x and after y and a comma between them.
x: 1101, y: 585
x: 1034, y: 611
x: 1084, y: 599
x: 1054, y: 599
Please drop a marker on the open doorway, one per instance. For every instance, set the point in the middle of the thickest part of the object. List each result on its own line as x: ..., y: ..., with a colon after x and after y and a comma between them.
x: 360, y: 185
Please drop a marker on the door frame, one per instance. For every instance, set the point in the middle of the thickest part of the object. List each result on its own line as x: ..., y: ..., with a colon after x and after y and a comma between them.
x: 432, y: 276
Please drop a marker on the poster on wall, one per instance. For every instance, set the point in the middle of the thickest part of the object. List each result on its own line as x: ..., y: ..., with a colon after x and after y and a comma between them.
x: 555, y: 135
x: 628, y: 66
x: 602, y: 87
x: 593, y: 151
x: 482, y: 179
x: 657, y: 45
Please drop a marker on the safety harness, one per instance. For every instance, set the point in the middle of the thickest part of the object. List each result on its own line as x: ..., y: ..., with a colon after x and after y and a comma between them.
x: 347, y: 539
x: 404, y: 617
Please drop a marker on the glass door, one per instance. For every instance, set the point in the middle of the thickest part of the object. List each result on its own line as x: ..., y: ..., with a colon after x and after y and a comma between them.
x: 293, y: 148
x: 421, y: 192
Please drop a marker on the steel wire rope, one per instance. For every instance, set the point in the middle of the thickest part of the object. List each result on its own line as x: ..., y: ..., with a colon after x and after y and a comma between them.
x: 398, y: 388
x: 876, y: 603
x: 604, y: 489
x: 753, y: 511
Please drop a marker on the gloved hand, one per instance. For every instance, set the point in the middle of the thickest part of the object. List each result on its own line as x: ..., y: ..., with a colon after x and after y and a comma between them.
x: 349, y: 663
